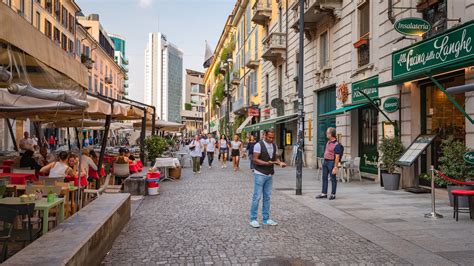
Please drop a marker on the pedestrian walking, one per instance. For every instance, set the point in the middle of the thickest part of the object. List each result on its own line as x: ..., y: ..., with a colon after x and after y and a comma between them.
x: 211, y: 148
x: 203, y: 141
x: 223, y: 148
x: 250, y: 147
x: 52, y: 142
x: 236, y: 146
x: 196, y: 153
x: 332, y: 156
x: 264, y: 158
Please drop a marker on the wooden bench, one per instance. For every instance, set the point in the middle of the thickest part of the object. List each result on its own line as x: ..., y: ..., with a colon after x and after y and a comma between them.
x: 83, y: 239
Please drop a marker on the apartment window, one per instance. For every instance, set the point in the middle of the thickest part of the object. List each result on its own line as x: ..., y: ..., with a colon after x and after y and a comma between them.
x: 48, y: 5
x: 72, y: 22
x: 363, y: 51
x: 47, y: 28
x: 78, y: 47
x: 64, y: 17
x: 248, y: 20
x: 280, y: 81
x: 64, y: 42
x: 267, y: 89
x: 70, y: 47
x: 56, y: 35
x: 256, y: 44
x: 95, y: 84
x: 22, y: 7
x: 57, y: 10
x: 324, y: 50
x: 90, y: 84
x: 38, y: 20
x: 101, y: 91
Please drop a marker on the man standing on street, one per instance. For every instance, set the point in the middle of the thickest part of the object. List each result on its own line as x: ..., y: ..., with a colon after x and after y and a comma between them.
x: 264, y: 158
x: 211, y: 148
x: 26, y: 143
x: 332, y: 157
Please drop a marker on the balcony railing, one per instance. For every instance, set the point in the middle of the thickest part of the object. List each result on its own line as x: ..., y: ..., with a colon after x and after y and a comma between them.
x: 274, y: 47
x: 262, y: 12
x: 235, y: 80
x: 314, y: 13
x: 238, y: 104
x: 363, y: 53
x: 251, y: 60
x: 87, y: 61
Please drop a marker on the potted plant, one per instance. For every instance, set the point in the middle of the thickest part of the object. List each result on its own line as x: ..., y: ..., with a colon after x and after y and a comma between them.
x: 361, y: 42
x: 452, y: 164
x: 391, y: 149
x: 155, y: 146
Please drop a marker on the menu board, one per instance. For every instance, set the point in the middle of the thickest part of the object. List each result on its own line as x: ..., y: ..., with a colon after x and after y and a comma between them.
x: 415, y: 150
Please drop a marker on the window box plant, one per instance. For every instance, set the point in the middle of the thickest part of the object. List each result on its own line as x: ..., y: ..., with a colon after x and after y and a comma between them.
x: 361, y: 42
x: 391, y: 149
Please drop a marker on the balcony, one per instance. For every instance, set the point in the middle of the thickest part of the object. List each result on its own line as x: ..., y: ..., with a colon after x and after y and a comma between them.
x: 89, y: 63
x: 262, y: 12
x: 251, y: 62
x: 125, y: 77
x: 274, y: 47
x: 315, y: 12
x: 238, y: 105
x: 108, y: 80
x: 235, y: 80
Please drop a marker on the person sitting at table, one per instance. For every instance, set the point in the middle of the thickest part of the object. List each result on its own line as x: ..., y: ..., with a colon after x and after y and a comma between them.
x: 59, y: 168
x: 87, y: 163
x: 27, y: 160
x: 122, y: 158
x: 73, y: 163
x: 43, y: 157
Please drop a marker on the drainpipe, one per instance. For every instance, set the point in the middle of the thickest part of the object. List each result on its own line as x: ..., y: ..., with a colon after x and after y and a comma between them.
x: 286, y: 41
x: 390, y: 11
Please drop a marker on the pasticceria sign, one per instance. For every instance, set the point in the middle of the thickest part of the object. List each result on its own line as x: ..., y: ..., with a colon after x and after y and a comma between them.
x: 452, y: 48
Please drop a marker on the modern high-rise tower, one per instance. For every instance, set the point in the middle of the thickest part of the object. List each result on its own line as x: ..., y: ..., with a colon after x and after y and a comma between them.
x: 163, y: 77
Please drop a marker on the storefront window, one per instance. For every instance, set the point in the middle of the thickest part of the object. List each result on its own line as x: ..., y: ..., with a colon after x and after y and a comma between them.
x: 368, y: 119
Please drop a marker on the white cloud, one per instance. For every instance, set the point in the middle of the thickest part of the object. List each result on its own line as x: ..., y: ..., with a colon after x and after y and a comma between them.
x: 145, y: 3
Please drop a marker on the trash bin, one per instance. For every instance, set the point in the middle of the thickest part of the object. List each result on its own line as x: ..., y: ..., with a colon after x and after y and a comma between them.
x: 153, y: 183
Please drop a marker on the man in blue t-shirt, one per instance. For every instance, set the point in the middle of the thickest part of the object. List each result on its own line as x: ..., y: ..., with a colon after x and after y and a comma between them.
x: 332, y: 157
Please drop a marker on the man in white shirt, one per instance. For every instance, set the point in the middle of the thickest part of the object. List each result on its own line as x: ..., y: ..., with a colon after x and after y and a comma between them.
x: 26, y: 143
x: 203, y: 142
x: 264, y: 158
x: 211, y: 148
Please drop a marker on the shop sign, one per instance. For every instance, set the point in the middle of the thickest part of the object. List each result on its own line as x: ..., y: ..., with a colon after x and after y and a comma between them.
x: 469, y: 157
x: 391, y: 104
x: 412, y: 26
x: 368, y: 86
x: 452, y: 47
x: 253, y: 112
x: 214, y: 126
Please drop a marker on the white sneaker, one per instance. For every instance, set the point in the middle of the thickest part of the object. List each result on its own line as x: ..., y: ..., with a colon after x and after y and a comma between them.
x: 254, y: 224
x: 270, y: 222
x: 210, y: 167
x: 222, y: 166
x: 199, y: 172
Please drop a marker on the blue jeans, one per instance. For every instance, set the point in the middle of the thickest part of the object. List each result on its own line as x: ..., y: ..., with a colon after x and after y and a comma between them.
x: 251, y: 160
x: 327, y: 171
x: 262, y: 185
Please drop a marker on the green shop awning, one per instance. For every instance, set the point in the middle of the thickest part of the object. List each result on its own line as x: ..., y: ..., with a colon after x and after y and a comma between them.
x: 270, y: 123
x: 345, y: 109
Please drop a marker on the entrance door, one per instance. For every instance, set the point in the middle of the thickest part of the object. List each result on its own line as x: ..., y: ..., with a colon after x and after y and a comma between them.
x: 368, y: 118
x: 439, y: 116
x: 326, y: 103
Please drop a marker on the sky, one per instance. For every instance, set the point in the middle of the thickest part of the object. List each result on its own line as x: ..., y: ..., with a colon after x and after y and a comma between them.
x: 186, y: 23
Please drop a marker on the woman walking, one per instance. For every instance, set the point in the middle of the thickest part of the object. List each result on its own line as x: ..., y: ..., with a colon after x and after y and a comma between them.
x: 236, y: 145
x: 250, y: 146
x: 196, y: 152
x: 223, y: 146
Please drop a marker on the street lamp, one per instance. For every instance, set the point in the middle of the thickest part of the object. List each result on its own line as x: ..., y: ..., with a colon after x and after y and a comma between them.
x: 227, y: 64
x: 209, y: 111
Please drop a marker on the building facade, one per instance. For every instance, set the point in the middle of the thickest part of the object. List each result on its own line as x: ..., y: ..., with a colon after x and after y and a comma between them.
x: 164, y: 77
x: 106, y: 76
x: 354, y: 55
x: 194, y: 99
x: 120, y: 58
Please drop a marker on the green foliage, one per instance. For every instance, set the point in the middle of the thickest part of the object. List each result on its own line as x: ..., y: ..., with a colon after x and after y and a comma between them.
x: 237, y: 122
x: 218, y: 93
x: 217, y: 69
x: 188, y: 107
x: 452, y: 161
x: 391, y: 149
x: 155, y: 146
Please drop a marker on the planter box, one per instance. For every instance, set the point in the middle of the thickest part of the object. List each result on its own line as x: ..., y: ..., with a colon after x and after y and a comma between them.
x: 391, y: 181
x: 175, y: 173
x: 463, y: 200
x: 361, y: 43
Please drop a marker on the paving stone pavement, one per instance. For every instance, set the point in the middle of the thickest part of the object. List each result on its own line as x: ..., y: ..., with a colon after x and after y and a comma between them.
x: 203, y: 219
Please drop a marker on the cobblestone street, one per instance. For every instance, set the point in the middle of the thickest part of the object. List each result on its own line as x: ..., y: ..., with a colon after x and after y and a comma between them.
x: 203, y: 219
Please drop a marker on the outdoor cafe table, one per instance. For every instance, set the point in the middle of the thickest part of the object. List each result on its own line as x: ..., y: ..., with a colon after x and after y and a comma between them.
x: 18, y: 178
x: 165, y: 164
x: 6, y: 168
x: 41, y: 205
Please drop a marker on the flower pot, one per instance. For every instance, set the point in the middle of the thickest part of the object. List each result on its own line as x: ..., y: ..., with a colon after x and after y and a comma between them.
x: 361, y: 43
x: 391, y: 181
x: 463, y: 200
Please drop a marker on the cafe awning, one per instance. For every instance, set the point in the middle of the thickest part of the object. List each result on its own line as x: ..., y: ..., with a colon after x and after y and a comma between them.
x: 344, y: 109
x: 270, y: 123
x: 162, y: 125
x: 246, y: 121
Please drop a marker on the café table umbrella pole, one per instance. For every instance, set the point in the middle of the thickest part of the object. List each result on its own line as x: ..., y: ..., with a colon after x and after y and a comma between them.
x: 103, y: 144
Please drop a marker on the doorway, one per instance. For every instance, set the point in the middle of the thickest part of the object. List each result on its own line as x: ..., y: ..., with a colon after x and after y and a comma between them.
x: 368, y: 138
x: 326, y: 103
